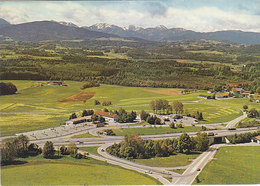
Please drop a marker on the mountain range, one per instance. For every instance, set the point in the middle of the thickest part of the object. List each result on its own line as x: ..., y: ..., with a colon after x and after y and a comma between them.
x: 52, y: 30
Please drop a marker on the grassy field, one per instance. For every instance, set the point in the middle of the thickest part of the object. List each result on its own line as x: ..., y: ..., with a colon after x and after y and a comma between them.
x: 233, y: 165
x: 92, y: 150
x: 86, y: 135
x: 152, y: 130
x: 34, y: 108
x: 171, y: 161
x: 69, y: 171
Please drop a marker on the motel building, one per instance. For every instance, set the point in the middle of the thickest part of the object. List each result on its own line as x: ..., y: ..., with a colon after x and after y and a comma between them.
x: 78, y: 120
x: 108, y: 116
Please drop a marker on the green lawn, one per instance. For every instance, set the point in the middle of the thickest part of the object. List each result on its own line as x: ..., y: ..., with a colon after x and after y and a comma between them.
x: 172, y: 161
x: 152, y: 130
x: 233, y: 165
x: 85, y: 135
x: 34, y: 108
x: 69, y: 171
x: 248, y: 122
x: 92, y: 150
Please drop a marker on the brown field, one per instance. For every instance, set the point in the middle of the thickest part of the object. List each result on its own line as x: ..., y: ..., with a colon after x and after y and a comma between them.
x: 82, y: 96
x: 171, y: 92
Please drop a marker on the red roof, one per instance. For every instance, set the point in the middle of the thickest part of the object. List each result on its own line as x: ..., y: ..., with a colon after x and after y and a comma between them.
x: 257, y: 137
x: 106, y: 114
x: 221, y: 95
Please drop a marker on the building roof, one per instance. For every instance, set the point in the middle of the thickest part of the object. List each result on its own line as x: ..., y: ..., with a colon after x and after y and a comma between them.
x: 221, y: 95
x: 257, y: 137
x: 81, y: 118
x: 245, y: 93
x: 106, y: 114
x: 237, y: 89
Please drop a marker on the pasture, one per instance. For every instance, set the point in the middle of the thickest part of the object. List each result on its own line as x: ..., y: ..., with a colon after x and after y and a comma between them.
x: 69, y: 171
x: 153, y: 130
x: 233, y: 165
x: 34, y: 107
x: 172, y: 161
x: 92, y: 150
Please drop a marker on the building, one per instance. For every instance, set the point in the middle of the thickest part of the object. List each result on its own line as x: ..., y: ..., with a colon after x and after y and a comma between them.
x: 39, y: 84
x: 108, y: 115
x: 236, y: 90
x: 245, y: 93
x: 219, y: 96
x: 78, y: 120
x: 256, y: 139
x: 60, y: 83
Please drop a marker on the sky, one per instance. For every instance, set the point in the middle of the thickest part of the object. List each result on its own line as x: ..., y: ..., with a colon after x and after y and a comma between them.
x: 197, y: 15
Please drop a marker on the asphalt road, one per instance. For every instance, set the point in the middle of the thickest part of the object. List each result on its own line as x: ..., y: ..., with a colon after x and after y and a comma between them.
x: 157, y: 172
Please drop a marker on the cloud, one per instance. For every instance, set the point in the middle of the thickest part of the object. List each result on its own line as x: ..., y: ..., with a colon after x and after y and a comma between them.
x: 146, y: 14
x: 155, y: 8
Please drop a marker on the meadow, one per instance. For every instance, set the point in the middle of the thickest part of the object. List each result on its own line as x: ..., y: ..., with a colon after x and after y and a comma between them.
x: 153, y: 130
x: 69, y: 171
x: 92, y: 150
x: 233, y: 165
x: 33, y: 107
x: 172, y: 161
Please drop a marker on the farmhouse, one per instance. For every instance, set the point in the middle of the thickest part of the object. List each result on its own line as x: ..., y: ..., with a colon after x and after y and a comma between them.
x: 108, y: 115
x: 39, y: 84
x: 236, y: 90
x: 218, y: 96
x: 60, y: 83
x: 78, y: 120
x: 245, y: 93
x: 256, y: 139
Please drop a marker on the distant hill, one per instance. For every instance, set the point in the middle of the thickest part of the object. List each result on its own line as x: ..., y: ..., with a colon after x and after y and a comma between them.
x: 49, y: 30
x: 173, y: 34
x: 52, y: 30
x: 3, y: 23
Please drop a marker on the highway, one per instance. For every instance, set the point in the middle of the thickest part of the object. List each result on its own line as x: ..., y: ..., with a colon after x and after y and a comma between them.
x: 158, y: 173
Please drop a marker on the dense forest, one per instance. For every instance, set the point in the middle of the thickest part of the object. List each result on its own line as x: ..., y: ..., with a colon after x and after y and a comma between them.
x: 196, y: 64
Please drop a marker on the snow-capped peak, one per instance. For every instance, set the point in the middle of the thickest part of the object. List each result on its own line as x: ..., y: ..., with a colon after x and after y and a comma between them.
x: 132, y: 27
x: 162, y: 27
x: 102, y: 25
x: 67, y: 23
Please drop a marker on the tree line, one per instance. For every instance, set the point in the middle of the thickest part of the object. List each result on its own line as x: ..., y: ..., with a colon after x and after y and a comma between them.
x: 7, y: 88
x: 134, y: 147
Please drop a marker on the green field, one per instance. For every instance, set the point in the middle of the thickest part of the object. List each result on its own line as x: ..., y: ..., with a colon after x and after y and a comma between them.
x: 172, y: 161
x: 69, y: 171
x: 34, y: 108
x: 86, y: 135
x: 152, y: 130
x: 233, y: 165
x: 92, y: 150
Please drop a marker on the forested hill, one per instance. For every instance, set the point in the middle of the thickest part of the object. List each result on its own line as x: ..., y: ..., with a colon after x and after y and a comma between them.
x: 48, y: 30
x: 199, y: 64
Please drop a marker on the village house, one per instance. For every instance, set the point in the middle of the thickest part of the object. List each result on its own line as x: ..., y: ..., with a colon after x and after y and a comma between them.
x: 245, y: 93
x: 256, y: 139
x: 60, y: 83
x: 236, y: 90
x: 108, y: 116
x: 39, y: 84
x: 219, y: 96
